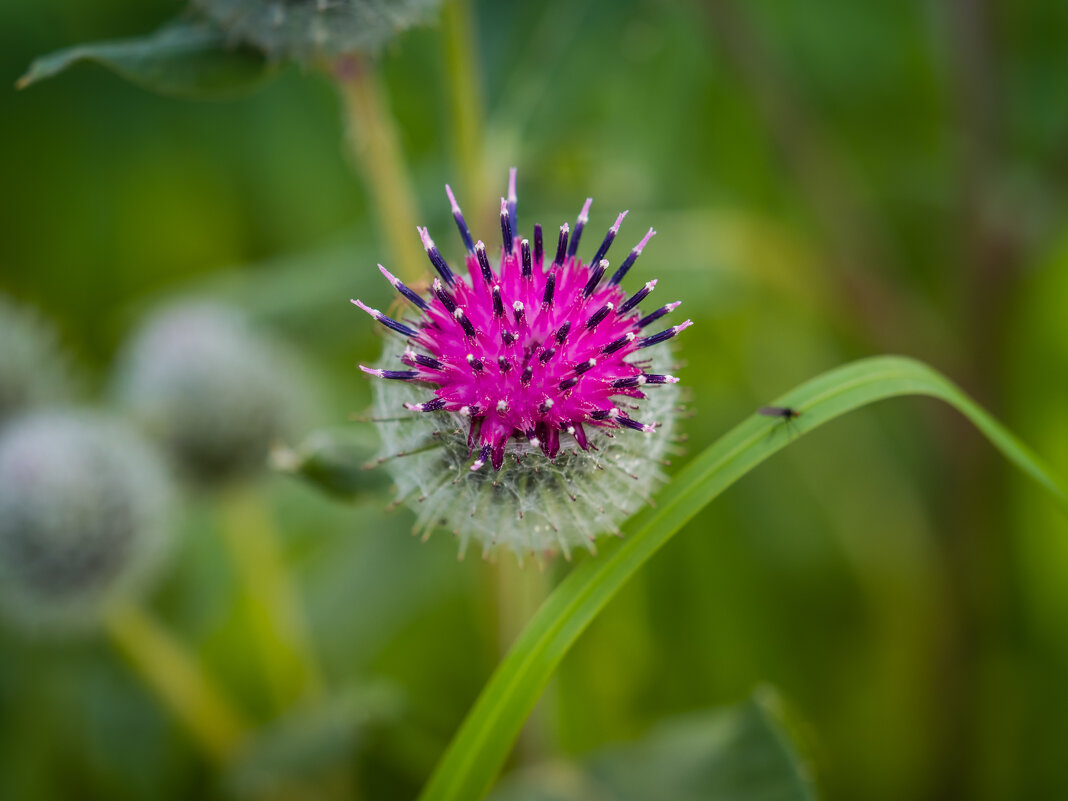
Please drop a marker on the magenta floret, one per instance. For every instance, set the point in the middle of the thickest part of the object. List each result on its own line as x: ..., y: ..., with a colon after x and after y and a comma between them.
x: 535, y: 349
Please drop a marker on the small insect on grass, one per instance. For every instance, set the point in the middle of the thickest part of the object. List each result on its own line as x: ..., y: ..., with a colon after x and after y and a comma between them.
x: 786, y: 413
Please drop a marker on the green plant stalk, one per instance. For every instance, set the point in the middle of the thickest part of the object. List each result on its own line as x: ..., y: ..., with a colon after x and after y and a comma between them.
x: 373, y: 143
x: 477, y: 751
x: 179, y: 682
x: 275, y: 612
x: 464, y: 84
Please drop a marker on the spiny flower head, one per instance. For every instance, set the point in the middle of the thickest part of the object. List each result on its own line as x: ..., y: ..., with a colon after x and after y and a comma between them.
x: 83, y: 517
x: 537, y: 352
x: 216, y: 392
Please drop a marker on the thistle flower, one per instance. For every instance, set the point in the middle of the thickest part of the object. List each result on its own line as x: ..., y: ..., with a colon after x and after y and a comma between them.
x: 543, y: 357
x: 213, y: 391
x: 83, y: 516
x: 33, y: 370
x: 304, y: 30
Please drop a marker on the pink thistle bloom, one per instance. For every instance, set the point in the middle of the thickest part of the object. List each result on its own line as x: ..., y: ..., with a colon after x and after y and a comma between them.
x: 535, y: 350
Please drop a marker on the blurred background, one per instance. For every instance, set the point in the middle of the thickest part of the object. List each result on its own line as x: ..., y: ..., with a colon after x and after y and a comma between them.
x: 828, y: 180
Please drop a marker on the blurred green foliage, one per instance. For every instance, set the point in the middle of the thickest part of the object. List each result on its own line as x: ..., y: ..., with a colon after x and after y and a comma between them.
x: 828, y: 180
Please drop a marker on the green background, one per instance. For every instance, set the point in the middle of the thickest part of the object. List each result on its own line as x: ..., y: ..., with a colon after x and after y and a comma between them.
x: 829, y: 180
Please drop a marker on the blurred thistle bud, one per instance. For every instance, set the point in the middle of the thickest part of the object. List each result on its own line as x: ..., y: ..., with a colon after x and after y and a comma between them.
x: 311, y: 30
x: 34, y: 372
x: 83, y: 517
x: 217, y: 394
x: 544, y: 359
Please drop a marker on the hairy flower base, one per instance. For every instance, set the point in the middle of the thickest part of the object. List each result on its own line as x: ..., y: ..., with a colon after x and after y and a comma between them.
x: 533, y: 505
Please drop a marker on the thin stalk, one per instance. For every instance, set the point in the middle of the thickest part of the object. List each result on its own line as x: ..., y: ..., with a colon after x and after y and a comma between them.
x: 272, y: 602
x: 464, y: 86
x: 375, y: 149
x: 521, y: 590
x: 174, y: 675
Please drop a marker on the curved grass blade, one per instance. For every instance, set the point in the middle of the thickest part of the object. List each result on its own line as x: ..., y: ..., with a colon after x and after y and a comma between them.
x: 479, y: 748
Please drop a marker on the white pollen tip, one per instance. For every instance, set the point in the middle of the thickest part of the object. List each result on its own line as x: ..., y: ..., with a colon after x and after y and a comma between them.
x: 641, y: 380
x: 565, y: 228
x: 535, y: 443
x: 651, y: 285
x: 504, y: 207
x: 437, y: 285
x: 525, y: 243
x: 671, y: 379
x: 604, y: 263
x: 614, y: 413
x: 631, y: 336
x: 610, y: 306
x: 452, y: 199
x: 464, y: 411
x: 584, y: 215
x: 413, y: 407
x: 683, y: 326
x: 470, y: 357
x: 518, y: 306
x: 371, y: 371
x: 497, y: 288
x: 459, y: 313
x: 548, y: 403
x: 424, y: 234
x: 502, y: 406
x: 672, y: 306
x: 477, y: 465
x: 592, y: 362
x: 571, y: 430
x: 480, y: 245
x: 619, y: 222
x: 648, y: 429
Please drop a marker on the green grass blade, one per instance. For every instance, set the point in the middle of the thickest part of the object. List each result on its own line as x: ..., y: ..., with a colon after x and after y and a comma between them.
x: 476, y: 753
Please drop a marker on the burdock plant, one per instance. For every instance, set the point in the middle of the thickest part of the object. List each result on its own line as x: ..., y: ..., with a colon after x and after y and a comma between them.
x: 539, y: 407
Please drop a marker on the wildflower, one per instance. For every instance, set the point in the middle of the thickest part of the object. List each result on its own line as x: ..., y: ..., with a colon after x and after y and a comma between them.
x: 544, y: 357
x: 216, y: 393
x: 83, y: 517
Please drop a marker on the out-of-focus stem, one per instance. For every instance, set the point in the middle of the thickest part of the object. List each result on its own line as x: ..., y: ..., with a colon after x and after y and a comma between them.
x: 272, y: 602
x: 464, y: 85
x: 372, y: 137
x: 174, y: 675
x: 521, y: 590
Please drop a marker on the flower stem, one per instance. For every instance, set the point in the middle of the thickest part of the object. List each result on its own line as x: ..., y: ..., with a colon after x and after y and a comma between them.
x: 521, y: 590
x: 273, y: 605
x: 464, y: 86
x: 375, y: 149
x: 173, y: 674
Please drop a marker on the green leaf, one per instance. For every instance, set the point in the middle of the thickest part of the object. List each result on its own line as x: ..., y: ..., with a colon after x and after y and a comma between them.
x: 740, y: 753
x: 185, y: 59
x: 479, y: 748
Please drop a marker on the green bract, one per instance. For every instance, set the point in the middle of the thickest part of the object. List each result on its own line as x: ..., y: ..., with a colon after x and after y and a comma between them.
x: 533, y: 505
